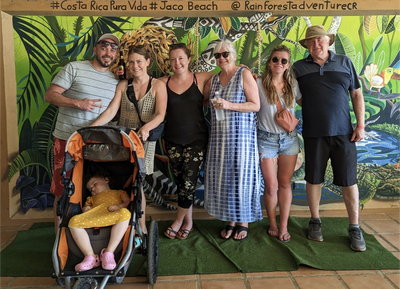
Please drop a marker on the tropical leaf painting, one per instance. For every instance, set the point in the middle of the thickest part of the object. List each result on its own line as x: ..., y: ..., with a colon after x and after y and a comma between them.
x: 370, y: 24
x: 47, y: 43
x: 345, y: 46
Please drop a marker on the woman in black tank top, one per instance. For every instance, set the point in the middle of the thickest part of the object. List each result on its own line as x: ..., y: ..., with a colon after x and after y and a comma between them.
x: 185, y: 134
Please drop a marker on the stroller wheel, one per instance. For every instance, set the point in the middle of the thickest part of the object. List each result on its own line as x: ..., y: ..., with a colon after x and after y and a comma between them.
x: 61, y: 282
x: 152, y: 253
x: 83, y: 283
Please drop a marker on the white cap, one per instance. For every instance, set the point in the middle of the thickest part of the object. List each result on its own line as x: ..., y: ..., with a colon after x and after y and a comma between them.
x: 109, y: 36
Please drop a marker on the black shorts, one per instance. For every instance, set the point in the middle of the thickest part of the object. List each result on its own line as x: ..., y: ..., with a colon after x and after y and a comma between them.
x: 343, y: 155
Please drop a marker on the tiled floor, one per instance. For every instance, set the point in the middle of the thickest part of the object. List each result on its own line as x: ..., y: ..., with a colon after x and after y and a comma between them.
x: 382, y: 223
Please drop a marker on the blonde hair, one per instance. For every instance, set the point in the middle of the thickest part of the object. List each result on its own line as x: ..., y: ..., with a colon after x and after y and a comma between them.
x: 288, y: 76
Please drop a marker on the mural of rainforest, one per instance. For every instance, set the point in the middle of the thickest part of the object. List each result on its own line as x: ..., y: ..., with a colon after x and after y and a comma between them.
x: 44, y: 44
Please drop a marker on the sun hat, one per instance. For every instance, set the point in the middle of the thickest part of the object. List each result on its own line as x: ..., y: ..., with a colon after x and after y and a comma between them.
x: 109, y: 36
x: 315, y: 31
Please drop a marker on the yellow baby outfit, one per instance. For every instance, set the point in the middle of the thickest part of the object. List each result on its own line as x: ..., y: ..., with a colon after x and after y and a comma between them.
x: 99, y: 216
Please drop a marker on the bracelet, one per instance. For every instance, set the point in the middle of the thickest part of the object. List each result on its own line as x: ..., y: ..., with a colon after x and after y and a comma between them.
x: 360, y: 126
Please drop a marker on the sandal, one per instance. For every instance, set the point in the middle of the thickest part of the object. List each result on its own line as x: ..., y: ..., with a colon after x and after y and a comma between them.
x: 240, y: 229
x: 227, y: 229
x: 88, y: 263
x: 282, y: 237
x: 271, y: 232
x: 107, y: 260
x: 168, y: 232
x: 183, y: 233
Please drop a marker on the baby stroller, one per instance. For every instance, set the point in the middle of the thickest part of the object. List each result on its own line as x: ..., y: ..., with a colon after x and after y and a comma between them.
x: 119, y: 152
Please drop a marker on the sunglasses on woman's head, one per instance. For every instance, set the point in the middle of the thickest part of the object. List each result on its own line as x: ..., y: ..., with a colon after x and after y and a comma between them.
x: 105, y: 43
x: 223, y: 54
x: 276, y: 59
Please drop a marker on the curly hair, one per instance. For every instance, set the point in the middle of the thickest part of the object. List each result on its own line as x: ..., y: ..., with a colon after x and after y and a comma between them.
x: 103, y: 175
x: 288, y: 76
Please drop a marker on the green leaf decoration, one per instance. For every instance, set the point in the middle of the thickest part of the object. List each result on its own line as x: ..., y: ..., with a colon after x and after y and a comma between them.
x: 371, y: 57
x: 43, y: 133
x: 25, y: 136
x: 26, y: 159
x: 37, y: 45
x: 282, y: 28
x: 78, y: 25
x: 235, y: 21
x: 83, y: 45
x: 215, y: 29
x: 345, y: 46
x: 205, y: 31
x: 372, y: 106
x: 391, y: 27
x: 221, y: 34
x: 358, y: 62
x: 190, y: 22
x: 382, y: 22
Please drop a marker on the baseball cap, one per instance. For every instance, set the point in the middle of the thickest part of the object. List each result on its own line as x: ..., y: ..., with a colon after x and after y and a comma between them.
x: 109, y: 36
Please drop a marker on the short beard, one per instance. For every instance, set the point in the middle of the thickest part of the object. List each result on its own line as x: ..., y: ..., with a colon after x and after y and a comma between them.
x: 102, y: 64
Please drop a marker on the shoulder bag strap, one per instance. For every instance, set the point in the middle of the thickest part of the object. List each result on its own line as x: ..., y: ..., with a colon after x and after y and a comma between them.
x: 149, y: 85
x: 278, y: 104
x: 131, y: 95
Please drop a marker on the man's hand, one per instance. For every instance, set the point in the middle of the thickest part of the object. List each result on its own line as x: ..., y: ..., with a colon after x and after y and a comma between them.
x: 358, y: 134
x: 89, y: 104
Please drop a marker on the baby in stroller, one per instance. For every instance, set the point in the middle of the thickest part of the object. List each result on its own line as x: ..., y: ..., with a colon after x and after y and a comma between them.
x: 105, y: 207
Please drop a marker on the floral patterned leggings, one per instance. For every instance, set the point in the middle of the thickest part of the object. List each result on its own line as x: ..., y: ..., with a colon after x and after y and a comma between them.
x: 186, y: 162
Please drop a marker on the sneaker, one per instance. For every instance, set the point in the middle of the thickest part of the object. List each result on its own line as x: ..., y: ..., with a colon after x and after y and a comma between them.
x: 315, y: 230
x: 357, y: 242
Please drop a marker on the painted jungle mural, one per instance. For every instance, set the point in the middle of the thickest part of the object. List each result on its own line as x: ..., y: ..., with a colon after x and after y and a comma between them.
x: 43, y: 45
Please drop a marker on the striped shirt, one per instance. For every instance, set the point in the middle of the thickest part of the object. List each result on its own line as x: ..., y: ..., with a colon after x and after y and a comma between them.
x: 81, y: 80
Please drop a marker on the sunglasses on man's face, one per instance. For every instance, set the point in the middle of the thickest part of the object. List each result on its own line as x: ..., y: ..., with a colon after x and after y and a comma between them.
x: 223, y: 54
x: 105, y: 43
x: 276, y: 59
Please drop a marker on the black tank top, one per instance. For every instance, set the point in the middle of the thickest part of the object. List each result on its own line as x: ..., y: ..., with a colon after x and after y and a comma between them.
x: 185, y: 121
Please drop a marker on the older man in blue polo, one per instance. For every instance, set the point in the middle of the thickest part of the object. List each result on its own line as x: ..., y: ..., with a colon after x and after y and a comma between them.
x: 326, y: 80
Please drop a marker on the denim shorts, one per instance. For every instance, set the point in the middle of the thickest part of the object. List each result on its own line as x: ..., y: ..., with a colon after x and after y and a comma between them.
x: 270, y: 145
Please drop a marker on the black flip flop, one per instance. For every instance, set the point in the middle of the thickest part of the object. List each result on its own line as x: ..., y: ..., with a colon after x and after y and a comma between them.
x: 227, y: 229
x: 240, y: 229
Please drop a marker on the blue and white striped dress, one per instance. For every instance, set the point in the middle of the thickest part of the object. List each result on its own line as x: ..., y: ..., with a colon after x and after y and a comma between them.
x: 232, y: 178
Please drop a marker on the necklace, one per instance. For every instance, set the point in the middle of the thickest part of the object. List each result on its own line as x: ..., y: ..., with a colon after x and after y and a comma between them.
x: 139, y: 87
x: 137, y: 90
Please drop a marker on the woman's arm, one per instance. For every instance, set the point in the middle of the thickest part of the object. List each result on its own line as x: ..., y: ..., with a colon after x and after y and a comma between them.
x: 202, y: 79
x: 250, y: 89
x: 112, y: 109
x: 206, y: 92
x: 160, y: 94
